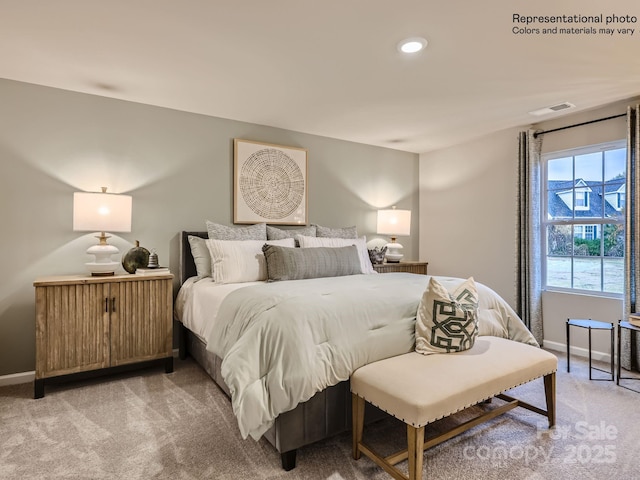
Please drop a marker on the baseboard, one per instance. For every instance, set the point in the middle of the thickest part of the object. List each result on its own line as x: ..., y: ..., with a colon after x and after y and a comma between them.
x: 26, y: 377
x: 579, y: 351
x: 17, y: 378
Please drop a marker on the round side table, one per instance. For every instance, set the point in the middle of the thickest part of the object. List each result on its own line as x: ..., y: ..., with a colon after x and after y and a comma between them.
x: 633, y: 329
x: 591, y: 325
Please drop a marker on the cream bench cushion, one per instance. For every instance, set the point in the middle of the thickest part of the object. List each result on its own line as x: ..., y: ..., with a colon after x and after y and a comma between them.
x: 419, y: 389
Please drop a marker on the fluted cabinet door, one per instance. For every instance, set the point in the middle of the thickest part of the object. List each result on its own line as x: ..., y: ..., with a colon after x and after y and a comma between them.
x: 72, y: 328
x: 141, y: 321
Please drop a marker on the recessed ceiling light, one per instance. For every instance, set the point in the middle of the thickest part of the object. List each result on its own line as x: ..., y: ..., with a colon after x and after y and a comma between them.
x: 412, y: 45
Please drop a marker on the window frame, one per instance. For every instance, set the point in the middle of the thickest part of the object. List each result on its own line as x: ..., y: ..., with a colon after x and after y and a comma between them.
x: 545, y: 222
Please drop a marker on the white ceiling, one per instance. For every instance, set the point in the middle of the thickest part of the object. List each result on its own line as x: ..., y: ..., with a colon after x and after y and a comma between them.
x: 326, y: 67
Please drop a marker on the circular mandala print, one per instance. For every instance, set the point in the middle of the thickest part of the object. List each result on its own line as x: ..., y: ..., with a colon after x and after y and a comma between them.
x: 271, y: 184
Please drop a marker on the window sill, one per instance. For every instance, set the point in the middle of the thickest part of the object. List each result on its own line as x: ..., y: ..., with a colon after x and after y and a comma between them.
x: 583, y: 293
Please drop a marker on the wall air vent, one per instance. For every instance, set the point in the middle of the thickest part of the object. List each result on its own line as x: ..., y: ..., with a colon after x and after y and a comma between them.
x: 553, y: 108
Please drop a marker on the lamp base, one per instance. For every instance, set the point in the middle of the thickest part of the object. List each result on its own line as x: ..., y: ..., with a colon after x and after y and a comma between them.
x: 103, y: 265
x: 394, y: 252
x: 91, y: 267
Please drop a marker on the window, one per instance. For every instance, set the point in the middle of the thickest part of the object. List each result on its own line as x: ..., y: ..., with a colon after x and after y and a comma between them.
x: 590, y: 232
x: 582, y: 200
x: 586, y: 232
x: 583, y: 219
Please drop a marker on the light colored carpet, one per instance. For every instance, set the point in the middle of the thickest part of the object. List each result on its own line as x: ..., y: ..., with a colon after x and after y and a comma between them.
x: 148, y: 424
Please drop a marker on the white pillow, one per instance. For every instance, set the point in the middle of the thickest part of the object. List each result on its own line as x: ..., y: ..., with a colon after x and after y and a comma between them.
x: 201, y: 256
x: 238, y: 261
x: 360, y: 243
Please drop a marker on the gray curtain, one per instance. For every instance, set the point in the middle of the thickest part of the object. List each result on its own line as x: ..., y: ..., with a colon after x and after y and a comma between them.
x: 528, y: 273
x: 629, y: 351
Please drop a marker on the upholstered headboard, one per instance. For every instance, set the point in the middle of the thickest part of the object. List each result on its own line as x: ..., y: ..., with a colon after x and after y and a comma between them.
x: 187, y: 265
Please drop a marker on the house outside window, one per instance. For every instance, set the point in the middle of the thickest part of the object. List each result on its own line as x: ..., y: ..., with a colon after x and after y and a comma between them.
x: 582, y: 199
x: 584, y: 219
x: 617, y: 198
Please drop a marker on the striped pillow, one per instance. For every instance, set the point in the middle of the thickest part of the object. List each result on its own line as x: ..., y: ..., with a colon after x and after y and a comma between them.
x: 360, y: 243
x: 240, y: 261
x: 285, y: 263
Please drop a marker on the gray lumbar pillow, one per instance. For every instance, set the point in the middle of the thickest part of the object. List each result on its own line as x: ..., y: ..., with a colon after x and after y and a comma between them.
x: 223, y: 232
x: 287, y: 263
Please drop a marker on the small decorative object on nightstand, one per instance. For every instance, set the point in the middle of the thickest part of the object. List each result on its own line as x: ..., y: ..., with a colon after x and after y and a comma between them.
x: 152, y: 270
x: 135, y: 258
x: 89, y: 323
x: 153, y: 259
x: 376, y: 255
x: 406, y: 267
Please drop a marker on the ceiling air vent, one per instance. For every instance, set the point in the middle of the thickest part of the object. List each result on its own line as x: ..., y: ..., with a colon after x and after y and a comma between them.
x: 552, y: 109
x: 561, y: 106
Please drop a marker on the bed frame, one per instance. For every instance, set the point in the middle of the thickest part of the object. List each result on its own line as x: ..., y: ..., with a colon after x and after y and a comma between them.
x: 325, y: 414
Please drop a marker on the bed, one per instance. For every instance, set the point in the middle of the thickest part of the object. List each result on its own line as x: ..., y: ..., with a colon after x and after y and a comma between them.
x: 324, y: 409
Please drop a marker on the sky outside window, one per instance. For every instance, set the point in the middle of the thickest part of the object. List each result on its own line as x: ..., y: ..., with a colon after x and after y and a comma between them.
x: 589, y: 166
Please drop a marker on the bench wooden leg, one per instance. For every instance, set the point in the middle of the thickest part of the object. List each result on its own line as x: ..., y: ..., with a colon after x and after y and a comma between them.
x: 415, y: 440
x: 550, y: 395
x: 357, y: 414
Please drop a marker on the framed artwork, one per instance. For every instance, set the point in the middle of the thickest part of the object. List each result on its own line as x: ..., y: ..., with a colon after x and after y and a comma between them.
x: 270, y: 183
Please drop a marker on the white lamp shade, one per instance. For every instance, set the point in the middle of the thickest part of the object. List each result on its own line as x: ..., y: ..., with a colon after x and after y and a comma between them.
x: 394, y: 222
x: 101, y: 212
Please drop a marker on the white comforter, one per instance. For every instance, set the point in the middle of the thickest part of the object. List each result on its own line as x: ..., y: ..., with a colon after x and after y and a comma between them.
x: 283, y: 342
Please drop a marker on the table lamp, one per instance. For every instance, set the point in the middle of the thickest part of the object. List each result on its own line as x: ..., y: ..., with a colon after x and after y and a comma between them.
x: 101, y: 212
x: 394, y: 223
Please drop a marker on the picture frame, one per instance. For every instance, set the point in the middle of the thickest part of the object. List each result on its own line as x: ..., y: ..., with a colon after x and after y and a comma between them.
x: 270, y: 183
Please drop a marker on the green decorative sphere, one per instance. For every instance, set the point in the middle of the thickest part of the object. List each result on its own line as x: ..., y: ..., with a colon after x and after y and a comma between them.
x: 137, y: 257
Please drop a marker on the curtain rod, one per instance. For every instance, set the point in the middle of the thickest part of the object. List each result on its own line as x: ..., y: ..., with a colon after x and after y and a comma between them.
x: 535, y: 135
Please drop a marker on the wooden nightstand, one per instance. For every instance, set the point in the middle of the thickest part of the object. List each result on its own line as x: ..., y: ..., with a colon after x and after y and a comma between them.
x: 88, y: 323
x: 406, y: 267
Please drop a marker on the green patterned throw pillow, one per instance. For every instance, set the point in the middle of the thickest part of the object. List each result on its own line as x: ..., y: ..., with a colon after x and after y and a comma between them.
x: 447, y: 322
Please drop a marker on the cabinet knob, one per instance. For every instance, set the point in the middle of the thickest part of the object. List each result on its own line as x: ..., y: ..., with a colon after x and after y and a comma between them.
x: 106, y: 305
x: 113, y: 304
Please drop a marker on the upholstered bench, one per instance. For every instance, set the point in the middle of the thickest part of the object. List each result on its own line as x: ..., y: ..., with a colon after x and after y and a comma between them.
x: 419, y: 389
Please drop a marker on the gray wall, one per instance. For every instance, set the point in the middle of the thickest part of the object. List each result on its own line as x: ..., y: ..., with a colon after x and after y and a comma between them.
x: 468, y: 210
x: 468, y: 216
x: 177, y: 166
